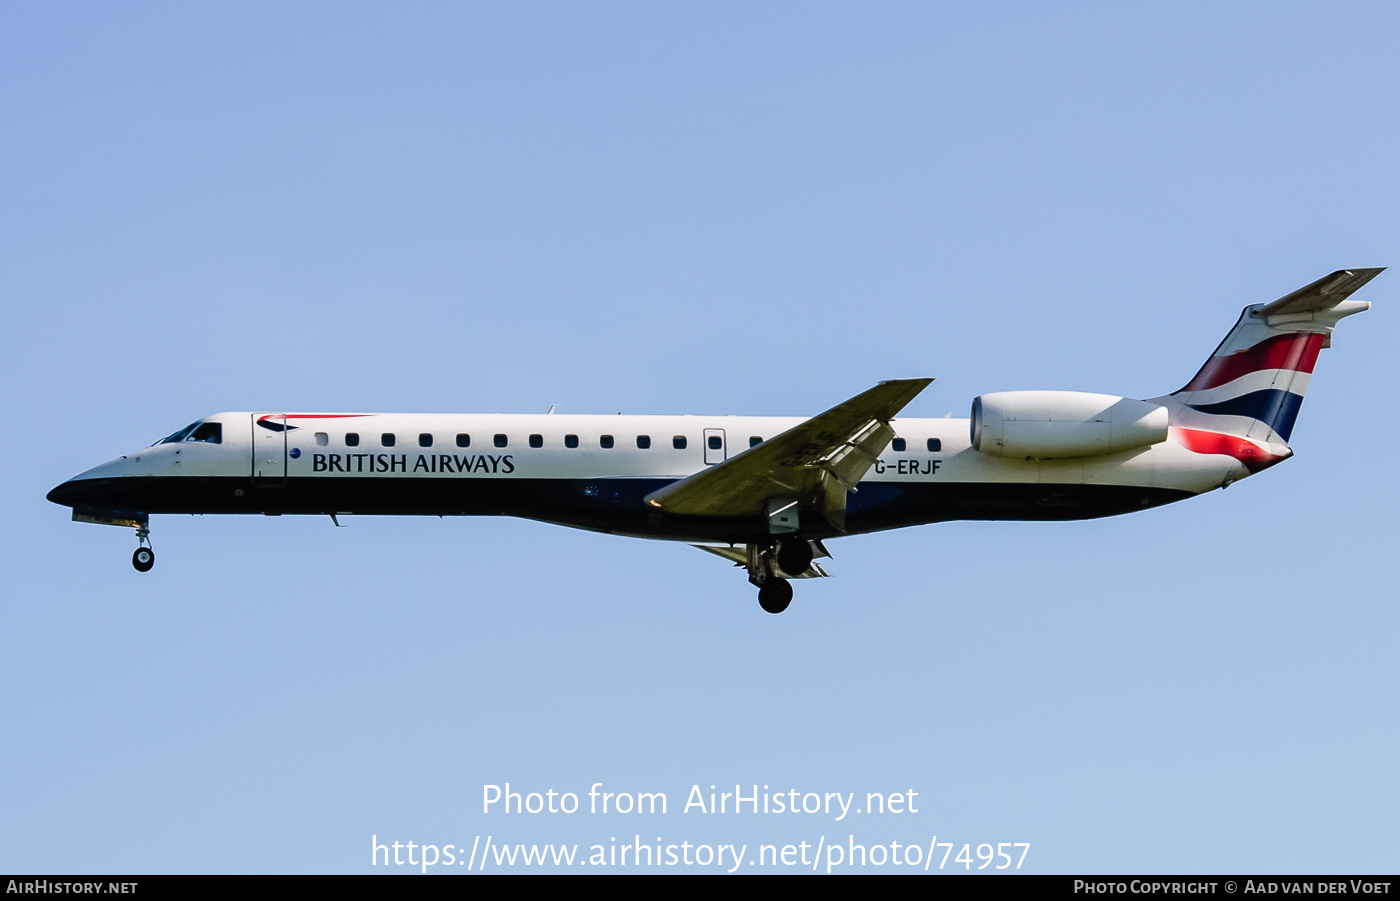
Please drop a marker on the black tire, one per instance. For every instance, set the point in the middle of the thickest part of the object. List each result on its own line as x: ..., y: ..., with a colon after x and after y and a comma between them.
x: 143, y: 559
x: 775, y: 596
x: 794, y: 556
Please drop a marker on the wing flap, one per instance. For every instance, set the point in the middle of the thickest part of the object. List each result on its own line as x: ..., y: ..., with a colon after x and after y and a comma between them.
x: 740, y: 558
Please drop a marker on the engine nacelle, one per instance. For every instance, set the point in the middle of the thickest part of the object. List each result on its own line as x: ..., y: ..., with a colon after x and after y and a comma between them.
x: 1048, y: 425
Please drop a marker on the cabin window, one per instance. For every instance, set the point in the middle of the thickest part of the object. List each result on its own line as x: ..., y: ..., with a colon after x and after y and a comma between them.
x: 898, y: 444
x: 755, y: 441
x: 678, y: 442
x: 605, y: 441
x: 387, y: 439
x: 464, y: 440
x: 935, y: 444
x: 425, y: 440
x: 322, y: 439
x: 352, y: 439
x: 500, y: 440
x: 571, y: 441
x: 716, y: 442
x: 537, y: 441
x: 208, y: 432
x: 644, y: 441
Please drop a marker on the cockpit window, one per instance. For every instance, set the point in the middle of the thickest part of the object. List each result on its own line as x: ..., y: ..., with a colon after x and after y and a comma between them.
x: 208, y: 432
x: 180, y: 435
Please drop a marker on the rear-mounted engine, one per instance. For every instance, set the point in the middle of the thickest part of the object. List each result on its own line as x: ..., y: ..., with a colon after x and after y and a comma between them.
x: 1047, y: 425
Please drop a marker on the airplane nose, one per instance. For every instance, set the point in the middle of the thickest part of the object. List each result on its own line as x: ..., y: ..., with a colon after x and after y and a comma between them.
x: 69, y: 494
x: 80, y: 492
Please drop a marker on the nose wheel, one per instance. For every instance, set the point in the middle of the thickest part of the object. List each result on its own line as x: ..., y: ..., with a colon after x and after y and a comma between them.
x: 145, y: 557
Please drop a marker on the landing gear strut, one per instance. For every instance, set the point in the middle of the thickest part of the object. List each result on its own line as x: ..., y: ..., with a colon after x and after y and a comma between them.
x: 145, y: 557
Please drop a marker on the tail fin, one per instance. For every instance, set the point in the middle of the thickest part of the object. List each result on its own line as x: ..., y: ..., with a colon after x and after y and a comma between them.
x: 1246, y: 397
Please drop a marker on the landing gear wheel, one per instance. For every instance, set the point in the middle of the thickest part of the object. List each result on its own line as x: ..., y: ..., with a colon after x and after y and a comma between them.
x: 145, y: 558
x: 775, y: 595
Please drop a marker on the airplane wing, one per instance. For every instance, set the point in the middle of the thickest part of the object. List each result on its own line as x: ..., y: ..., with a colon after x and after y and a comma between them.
x: 812, y: 464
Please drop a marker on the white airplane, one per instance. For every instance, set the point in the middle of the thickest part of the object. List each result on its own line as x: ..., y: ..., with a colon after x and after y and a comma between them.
x: 764, y: 492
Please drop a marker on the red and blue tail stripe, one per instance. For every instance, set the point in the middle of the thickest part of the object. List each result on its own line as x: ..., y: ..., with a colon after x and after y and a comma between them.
x: 1296, y: 352
x: 1255, y: 390
x: 1276, y: 409
x: 1265, y: 382
x: 1244, y: 401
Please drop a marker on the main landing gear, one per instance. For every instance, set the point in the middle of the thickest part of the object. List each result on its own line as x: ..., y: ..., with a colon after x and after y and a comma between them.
x: 771, y: 566
x: 145, y: 557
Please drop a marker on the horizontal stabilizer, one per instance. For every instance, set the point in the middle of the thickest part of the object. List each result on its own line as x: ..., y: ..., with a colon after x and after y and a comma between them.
x: 1322, y: 294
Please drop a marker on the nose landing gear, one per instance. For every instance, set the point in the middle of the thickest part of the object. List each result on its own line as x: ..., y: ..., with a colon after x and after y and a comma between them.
x: 145, y: 557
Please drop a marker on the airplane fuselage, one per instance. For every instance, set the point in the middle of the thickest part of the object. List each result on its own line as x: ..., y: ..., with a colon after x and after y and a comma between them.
x: 593, y: 472
x: 761, y: 492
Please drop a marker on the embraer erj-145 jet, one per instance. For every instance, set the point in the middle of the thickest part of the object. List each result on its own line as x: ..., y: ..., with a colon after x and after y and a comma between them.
x: 764, y: 492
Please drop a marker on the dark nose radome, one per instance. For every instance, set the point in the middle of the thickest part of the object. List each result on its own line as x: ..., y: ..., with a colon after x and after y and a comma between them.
x: 68, y: 494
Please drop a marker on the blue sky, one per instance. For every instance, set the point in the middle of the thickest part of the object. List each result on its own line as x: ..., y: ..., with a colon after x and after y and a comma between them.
x: 699, y: 208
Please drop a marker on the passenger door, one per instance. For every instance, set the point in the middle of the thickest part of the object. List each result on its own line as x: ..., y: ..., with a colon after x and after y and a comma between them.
x: 714, y: 446
x: 269, y: 448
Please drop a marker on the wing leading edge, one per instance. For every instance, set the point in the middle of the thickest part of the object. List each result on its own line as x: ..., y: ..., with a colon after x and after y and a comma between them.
x: 811, y: 465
